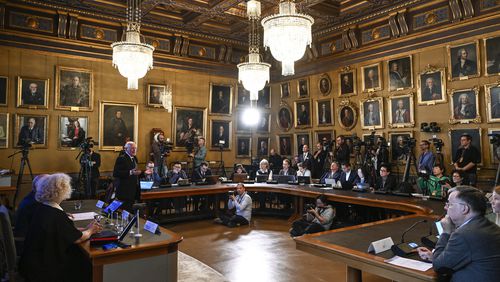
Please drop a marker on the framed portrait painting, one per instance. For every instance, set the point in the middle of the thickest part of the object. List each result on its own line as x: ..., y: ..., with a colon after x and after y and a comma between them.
x: 398, y: 151
x: 322, y: 136
x: 32, y: 93
x: 263, y: 125
x: 463, y: 61
x: 324, y: 112
x: 4, y: 130
x: 4, y: 90
x: 31, y: 129
x: 155, y: 92
x: 455, y: 134
x: 492, y: 55
x: 243, y: 96
x: 72, y: 131
x: 189, y: 124
x: 371, y: 78
x: 262, y: 146
x: 346, y: 113
x: 285, y: 90
x: 220, y: 134
x: 494, y: 149
x: 74, y: 89
x: 244, y: 144
x: 401, y: 111
x: 400, y: 76
x: 372, y: 113
x: 492, y: 101
x: 372, y: 137
x: 264, y: 100
x: 220, y: 99
x: 241, y: 124
x: 284, y: 118
x: 118, y: 123
x: 325, y: 84
x: 301, y: 139
x: 303, y: 87
x: 285, y: 145
x: 431, y: 86
x: 464, y: 105
x: 347, y: 82
x: 303, y: 113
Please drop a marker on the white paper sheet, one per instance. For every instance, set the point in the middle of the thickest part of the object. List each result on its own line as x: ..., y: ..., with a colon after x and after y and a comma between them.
x: 83, y: 216
x: 326, y: 188
x: 410, y: 263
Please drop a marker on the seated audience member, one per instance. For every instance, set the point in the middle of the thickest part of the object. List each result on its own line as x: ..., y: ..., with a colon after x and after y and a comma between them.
x: 469, y: 247
x: 303, y: 171
x: 386, y: 182
x: 201, y: 172
x: 239, y: 169
x: 348, y: 178
x: 295, y: 163
x: 176, y: 173
x: 50, y: 250
x: 315, y: 220
x: 457, y: 179
x: 287, y: 170
x: 264, y: 169
x: 26, y: 208
x: 241, y: 204
x: 334, y: 173
x: 150, y: 174
x: 495, y: 206
x: 275, y: 161
x: 363, y: 177
x: 435, y: 186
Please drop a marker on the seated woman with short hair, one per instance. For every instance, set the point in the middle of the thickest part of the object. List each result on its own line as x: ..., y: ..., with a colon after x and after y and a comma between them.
x: 264, y: 169
x: 303, y: 171
x: 50, y: 250
x: 238, y: 170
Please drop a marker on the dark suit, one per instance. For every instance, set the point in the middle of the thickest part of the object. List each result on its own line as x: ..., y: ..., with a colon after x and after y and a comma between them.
x: 389, y: 185
x: 35, y: 135
x: 346, y: 88
x: 472, y: 251
x: 127, y: 186
x: 469, y: 112
x: 330, y: 175
x: 469, y: 68
x: 33, y: 98
x: 290, y: 171
x: 198, y: 175
x: 307, y: 160
x: 173, y: 177
x: 430, y: 94
x: 342, y: 154
x: 348, y: 184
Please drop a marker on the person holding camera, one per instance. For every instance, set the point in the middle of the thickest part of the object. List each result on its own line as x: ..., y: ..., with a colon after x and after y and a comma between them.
x: 466, y: 160
x: 317, y: 218
x: 159, y: 155
x: 240, y: 208
x: 200, y: 154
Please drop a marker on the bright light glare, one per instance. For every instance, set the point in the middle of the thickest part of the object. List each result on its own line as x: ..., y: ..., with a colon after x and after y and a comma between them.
x: 251, y: 116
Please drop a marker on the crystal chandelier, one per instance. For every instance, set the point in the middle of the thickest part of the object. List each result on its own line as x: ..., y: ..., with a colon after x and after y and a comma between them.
x: 253, y: 74
x: 133, y: 58
x: 166, y: 98
x: 287, y: 34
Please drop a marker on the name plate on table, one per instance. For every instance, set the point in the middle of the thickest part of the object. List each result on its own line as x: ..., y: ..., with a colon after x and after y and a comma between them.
x: 125, y: 214
x: 150, y: 226
x: 380, y: 245
x: 99, y: 204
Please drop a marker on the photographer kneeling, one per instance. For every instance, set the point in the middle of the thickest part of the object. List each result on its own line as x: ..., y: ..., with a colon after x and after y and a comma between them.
x: 315, y: 220
x: 240, y: 208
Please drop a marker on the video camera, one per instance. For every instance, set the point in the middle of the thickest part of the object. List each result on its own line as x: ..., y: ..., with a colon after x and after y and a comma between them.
x: 26, y: 143
x: 166, y: 147
x: 438, y: 143
x: 409, y: 142
x: 310, y: 207
x: 494, y: 139
x: 87, y: 144
x: 429, y: 127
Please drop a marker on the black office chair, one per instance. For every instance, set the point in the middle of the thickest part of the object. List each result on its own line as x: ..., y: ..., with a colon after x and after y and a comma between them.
x: 9, y: 246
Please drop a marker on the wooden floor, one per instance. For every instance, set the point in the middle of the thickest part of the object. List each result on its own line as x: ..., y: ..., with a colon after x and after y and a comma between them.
x: 261, y: 252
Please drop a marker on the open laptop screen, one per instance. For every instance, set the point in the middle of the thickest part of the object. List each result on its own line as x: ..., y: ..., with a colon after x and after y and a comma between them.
x: 146, y: 185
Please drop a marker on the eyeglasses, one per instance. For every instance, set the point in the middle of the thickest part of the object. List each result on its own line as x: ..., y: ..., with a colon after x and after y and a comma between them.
x: 448, y: 204
x: 150, y: 166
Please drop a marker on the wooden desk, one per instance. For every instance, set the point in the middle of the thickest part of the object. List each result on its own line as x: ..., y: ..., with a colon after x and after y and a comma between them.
x: 154, y: 255
x: 349, y: 245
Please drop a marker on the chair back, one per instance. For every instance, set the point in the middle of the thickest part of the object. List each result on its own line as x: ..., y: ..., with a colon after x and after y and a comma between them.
x: 8, y: 240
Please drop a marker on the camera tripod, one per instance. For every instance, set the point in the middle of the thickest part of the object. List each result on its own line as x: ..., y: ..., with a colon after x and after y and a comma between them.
x: 221, y: 165
x: 24, y: 161
x: 85, y: 174
x: 405, y: 186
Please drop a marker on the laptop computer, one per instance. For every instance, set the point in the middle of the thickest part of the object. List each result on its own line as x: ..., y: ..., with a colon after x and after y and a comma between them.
x: 212, y: 179
x: 111, y: 236
x: 261, y: 178
x: 237, y: 178
x: 146, y: 185
x: 304, y: 179
x: 284, y: 179
x: 330, y: 181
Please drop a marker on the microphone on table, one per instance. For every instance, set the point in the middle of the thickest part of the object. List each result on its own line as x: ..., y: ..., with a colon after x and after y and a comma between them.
x: 403, y: 249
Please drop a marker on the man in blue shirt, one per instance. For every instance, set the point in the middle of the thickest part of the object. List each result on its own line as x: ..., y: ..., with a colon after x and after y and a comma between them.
x: 242, y: 204
x: 427, y: 158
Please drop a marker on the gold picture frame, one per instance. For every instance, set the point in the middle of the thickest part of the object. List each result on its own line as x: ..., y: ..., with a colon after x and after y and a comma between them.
x: 243, y: 152
x: 216, y: 135
x: 263, y: 152
x: 151, y: 99
x: 189, y: 123
x: 285, y: 90
x: 377, y: 117
x: 319, y: 134
x: 306, y: 135
x: 325, y: 84
x: 431, y: 87
x: 375, y: 82
x: 66, y: 136
x: 71, y: 94
x: 405, y: 117
x: 285, y: 150
x: 285, y: 118
x: 4, y: 91
x: 490, y: 45
x: 4, y: 130
x: 347, y: 82
x: 493, y: 159
x: 470, y: 67
x: 304, y: 114
x: 324, y: 112
x: 37, y: 100
x: 41, y: 122
x: 492, y: 103
x: 347, y: 115
x: 303, y: 90
x: 114, y: 133
x: 221, y: 105
x: 396, y: 78
x: 464, y: 114
x: 454, y: 143
x: 397, y: 153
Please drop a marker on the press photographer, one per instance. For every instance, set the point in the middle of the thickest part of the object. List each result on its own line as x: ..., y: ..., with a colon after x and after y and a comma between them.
x: 161, y: 148
x: 90, y: 161
x: 240, y: 208
x: 318, y: 218
x: 466, y: 159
